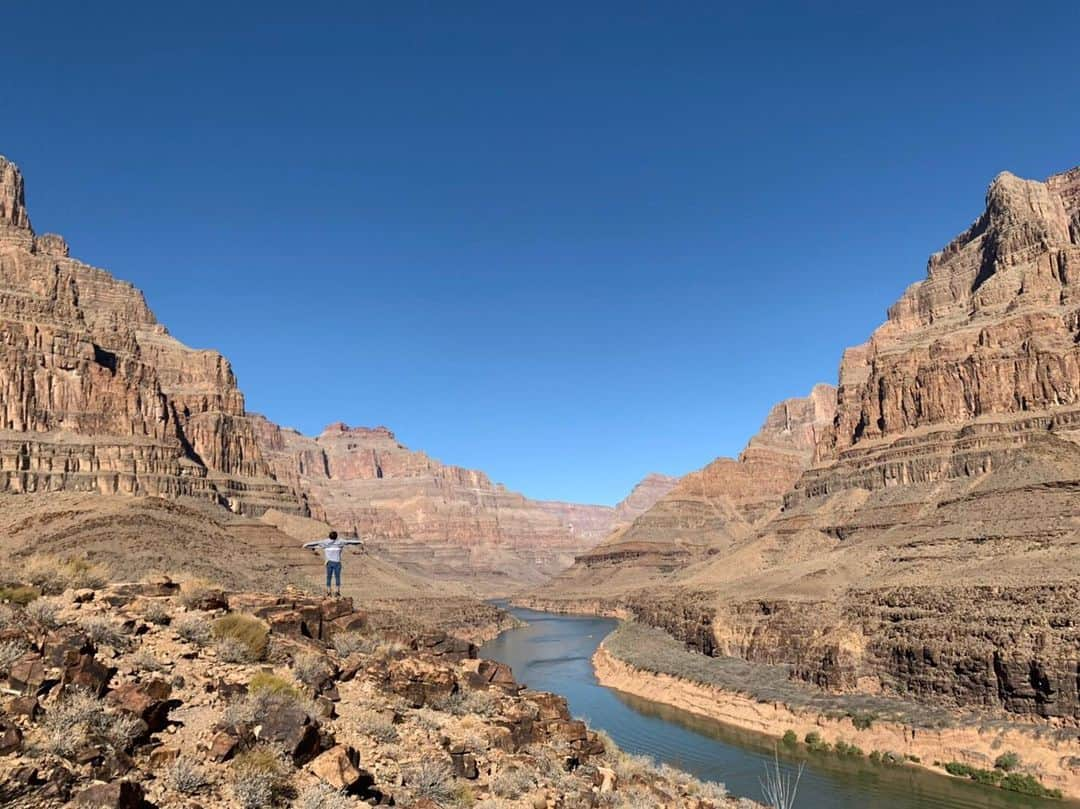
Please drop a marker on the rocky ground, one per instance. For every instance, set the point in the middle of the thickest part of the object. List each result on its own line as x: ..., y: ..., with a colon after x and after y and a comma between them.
x: 151, y: 694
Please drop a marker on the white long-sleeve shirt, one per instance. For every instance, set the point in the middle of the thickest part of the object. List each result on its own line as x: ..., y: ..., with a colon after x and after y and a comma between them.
x: 332, y: 548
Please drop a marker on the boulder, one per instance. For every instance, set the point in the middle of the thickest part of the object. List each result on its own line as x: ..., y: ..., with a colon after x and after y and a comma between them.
x: 148, y: 701
x: 338, y: 767
x: 11, y: 738
x: 27, y: 674
x: 223, y: 746
x: 117, y: 795
x: 294, y: 731
x: 420, y: 681
x: 88, y: 673
x: 24, y: 706
x: 64, y: 646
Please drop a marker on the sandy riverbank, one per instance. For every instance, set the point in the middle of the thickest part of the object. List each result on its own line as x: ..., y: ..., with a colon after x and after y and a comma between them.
x: 1055, y: 761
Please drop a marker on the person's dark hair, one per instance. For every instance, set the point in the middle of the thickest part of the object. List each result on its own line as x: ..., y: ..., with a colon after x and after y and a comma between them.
x: 333, y: 535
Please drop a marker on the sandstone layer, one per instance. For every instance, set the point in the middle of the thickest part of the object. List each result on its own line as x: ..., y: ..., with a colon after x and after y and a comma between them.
x: 95, y: 395
x: 931, y: 548
x: 447, y: 521
x: 708, y: 510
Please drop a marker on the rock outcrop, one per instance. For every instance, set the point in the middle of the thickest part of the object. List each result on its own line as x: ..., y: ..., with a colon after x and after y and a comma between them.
x: 708, y: 510
x: 928, y: 545
x: 96, y: 396
x: 447, y: 520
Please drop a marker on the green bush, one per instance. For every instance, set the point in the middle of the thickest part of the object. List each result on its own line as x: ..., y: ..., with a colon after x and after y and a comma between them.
x: 816, y: 743
x: 251, y: 632
x: 19, y: 594
x: 1014, y: 782
x: 790, y: 739
x: 1007, y: 762
x: 863, y: 721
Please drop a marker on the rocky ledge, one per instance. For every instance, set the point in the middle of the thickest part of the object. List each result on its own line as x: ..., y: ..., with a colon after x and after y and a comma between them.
x: 153, y: 694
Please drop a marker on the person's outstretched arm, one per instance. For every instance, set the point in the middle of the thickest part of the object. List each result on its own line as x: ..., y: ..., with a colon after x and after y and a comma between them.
x: 318, y: 543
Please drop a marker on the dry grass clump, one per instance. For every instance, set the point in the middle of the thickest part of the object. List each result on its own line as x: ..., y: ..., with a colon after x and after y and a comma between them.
x: 263, y: 682
x: 511, y: 783
x: 375, y: 724
x: 10, y: 651
x: 347, y: 643
x: 194, y: 591
x: 187, y: 777
x: 45, y: 612
x: 157, y: 613
x: 54, y: 575
x: 311, y: 669
x: 260, y: 778
x: 19, y: 594
x: 145, y: 660
x: 79, y: 718
x: 322, y: 796
x: 430, y: 779
x: 193, y: 629
x: 102, y: 631
x: 244, y: 632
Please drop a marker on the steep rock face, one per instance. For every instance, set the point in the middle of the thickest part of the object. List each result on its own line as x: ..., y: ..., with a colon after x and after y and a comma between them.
x: 643, y: 496
x: 447, y: 519
x: 705, y: 513
x: 724, y: 500
x: 96, y: 396
x: 932, y: 548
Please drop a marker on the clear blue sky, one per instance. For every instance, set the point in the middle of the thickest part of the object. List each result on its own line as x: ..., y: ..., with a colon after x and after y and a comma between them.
x: 566, y: 243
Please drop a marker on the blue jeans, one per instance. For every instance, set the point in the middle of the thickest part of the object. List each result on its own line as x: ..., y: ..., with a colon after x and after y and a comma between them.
x: 333, y: 570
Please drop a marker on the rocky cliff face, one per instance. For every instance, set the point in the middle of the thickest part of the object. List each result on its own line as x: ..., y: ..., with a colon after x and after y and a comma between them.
x: 446, y: 519
x: 928, y: 545
x: 708, y: 510
x: 96, y: 396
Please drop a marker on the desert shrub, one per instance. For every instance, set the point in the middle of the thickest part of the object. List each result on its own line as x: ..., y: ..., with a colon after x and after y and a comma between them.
x: 194, y: 592
x: 264, y: 700
x: 19, y: 594
x: 259, y: 778
x: 430, y: 779
x: 310, y: 669
x: 249, y: 631
x: 375, y: 724
x: 1027, y: 785
x: 816, y: 743
x: 145, y: 660
x: 79, y: 716
x: 1007, y: 762
x: 10, y: 651
x: 511, y: 783
x: 263, y: 682
x: 186, y: 776
x: 479, y: 703
x: 193, y: 629
x: 913, y: 759
x: 322, y: 796
x: 863, y: 721
x: 790, y: 739
x: 629, y: 767
x: 157, y: 613
x: 231, y: 650
x: 7, y: 616
x: 844, y: 749
x: 44, y: 612
x: 55, y: 575
x: 347, y: 643
x: 102, y: 631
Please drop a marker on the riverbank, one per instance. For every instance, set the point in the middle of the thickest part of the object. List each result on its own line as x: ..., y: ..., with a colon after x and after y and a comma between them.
x: 647, y: 663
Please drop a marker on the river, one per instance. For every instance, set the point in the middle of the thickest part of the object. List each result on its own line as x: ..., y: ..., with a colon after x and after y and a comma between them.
x: 552, y: 653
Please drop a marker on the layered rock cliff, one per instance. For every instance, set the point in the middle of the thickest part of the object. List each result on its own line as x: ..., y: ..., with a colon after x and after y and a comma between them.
x: 930, y: 545
x: 96, y: 396
x: 446, y: 519
x: 709, y: 509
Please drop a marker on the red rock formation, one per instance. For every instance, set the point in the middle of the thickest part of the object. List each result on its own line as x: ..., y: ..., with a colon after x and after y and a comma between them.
x: 96, y: 396
x: 446, y: 519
